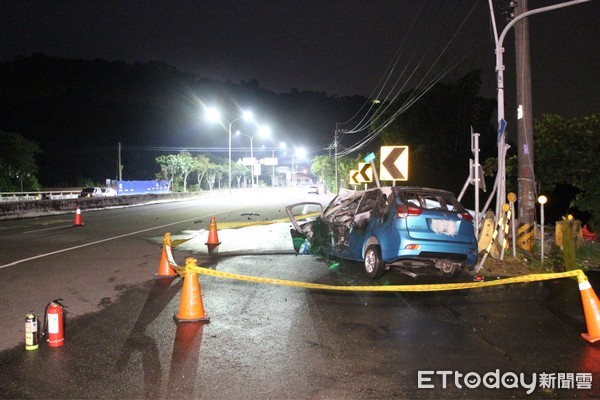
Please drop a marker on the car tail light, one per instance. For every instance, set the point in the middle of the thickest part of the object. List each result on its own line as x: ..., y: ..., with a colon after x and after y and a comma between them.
x: 411, y: 247
x: 467, y: 217
x: 403, y: 211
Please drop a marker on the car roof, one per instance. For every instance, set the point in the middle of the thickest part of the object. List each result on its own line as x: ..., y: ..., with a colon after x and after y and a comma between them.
x: 389, y: 189
x: 414, y: 189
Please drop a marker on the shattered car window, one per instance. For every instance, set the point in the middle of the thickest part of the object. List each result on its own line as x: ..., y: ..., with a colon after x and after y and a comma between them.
x: 367, y: 205
x: 433, y: 201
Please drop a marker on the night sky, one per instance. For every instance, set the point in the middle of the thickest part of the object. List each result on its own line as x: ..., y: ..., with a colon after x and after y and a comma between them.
x: 341, y: 47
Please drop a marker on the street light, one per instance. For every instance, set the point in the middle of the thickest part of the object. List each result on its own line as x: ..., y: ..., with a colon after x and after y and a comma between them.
x: 281, y: 146
x: 214, y: 115
x: 262, y: 131
x: 301, y: 154
x: 542, y: 200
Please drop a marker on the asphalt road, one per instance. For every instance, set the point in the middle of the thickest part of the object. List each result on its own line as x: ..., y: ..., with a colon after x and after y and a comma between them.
x: 268, y: 341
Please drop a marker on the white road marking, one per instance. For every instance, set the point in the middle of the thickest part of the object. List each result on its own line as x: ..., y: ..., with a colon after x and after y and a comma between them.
x: 111, y: 238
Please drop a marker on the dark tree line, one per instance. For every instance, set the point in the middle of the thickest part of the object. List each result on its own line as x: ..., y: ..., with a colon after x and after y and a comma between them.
x: 79, y: 110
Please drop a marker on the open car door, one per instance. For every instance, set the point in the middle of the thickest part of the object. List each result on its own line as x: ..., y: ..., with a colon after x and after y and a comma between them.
x: 306, y: 220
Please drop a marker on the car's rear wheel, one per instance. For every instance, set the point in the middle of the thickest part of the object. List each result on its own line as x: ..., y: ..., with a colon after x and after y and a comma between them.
x: 373, y: 264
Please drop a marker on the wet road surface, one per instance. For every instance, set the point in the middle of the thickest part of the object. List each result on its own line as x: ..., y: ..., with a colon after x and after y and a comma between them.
x: 278, y: 342
x: 274, y: 342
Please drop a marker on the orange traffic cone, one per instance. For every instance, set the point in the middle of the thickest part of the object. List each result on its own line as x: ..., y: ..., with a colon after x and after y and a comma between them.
x: 213, y: 238
x: 164, y: 267
x: 591, y: 310
x: 191, y: 308
x: 78, y: 221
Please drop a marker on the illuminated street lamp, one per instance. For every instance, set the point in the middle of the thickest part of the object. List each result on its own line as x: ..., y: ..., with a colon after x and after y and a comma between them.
x: 281, y: 146
x: 214, y: 115
x: 542, y: 200
x: 300, y: 153
x: 262, y: 131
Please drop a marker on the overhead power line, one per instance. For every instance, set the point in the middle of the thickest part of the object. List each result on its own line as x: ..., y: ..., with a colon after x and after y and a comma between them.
x: 372, y: 113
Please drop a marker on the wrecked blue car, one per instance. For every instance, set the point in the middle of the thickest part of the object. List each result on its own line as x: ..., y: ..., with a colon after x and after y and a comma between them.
x: 406, y: 227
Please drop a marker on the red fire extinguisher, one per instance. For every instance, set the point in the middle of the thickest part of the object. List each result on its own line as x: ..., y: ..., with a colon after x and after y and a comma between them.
x: 54, y: 323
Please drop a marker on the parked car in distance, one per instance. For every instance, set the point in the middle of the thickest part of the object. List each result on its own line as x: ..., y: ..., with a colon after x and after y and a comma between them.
x: 313, y: 189
x: 406, y: 227
x: 109, y: 192
x: 91, y: 192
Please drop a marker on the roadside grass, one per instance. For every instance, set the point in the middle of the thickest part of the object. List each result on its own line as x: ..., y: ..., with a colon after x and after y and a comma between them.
x: 587, y: 257
x: 525, y: 262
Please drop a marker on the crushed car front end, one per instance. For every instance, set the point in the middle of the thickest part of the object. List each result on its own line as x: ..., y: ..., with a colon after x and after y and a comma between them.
x: 389, y: 226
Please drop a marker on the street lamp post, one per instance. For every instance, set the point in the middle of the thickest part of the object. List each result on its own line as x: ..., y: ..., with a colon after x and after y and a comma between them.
x: 273, y: 162
x: 301, y: 154
x: 281, y: 146
x: 262, y: 131
x: 542, y: 200
x: 214, y: 115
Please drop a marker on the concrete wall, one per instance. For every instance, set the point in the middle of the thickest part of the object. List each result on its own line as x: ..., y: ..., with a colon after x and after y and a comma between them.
x: 37, y: 208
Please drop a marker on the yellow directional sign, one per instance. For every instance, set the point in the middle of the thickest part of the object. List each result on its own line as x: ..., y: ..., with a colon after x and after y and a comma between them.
x: 354, y: 177
x: 365, y: 173
x: 394, y: 163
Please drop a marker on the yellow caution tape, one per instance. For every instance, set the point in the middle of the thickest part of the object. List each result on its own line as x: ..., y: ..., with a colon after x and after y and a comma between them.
x: 243, y: 224
x: 191, y: 267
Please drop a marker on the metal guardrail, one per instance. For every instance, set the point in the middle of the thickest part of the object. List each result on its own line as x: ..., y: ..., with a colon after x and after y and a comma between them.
x: 9, y: 197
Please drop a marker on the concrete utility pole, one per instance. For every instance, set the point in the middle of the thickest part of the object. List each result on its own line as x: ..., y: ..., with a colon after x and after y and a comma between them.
x: 525, y: 147
x: 525, y: 152
x: 335, y: 158
x: 119, y: 166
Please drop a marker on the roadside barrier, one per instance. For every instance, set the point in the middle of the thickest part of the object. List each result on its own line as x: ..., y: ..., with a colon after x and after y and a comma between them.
x: 485, y: 236
x: 499, y: 228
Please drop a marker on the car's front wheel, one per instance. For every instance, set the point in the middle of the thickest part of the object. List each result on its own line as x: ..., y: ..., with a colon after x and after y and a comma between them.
x: 374, y: 265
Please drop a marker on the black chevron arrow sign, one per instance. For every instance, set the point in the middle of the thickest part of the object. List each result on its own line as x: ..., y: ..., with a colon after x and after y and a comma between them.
x: 354, y: 177
x: 394, y: 164
x: 365, y: 173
